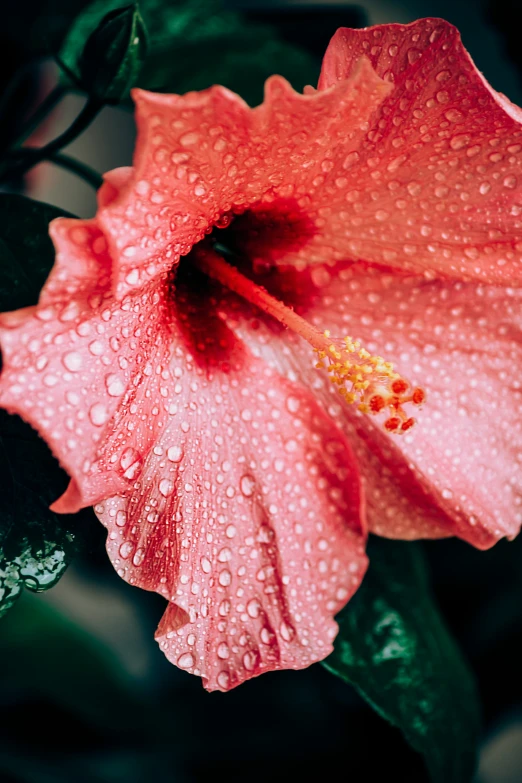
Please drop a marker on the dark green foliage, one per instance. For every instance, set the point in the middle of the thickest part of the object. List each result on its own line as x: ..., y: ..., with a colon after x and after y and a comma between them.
x: 394, y: 648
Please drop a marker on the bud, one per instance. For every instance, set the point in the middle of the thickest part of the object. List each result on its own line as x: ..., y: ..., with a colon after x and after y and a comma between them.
x: 113, y: 55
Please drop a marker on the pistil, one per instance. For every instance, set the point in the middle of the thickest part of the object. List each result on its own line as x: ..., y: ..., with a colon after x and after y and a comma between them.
x: 361, y: 378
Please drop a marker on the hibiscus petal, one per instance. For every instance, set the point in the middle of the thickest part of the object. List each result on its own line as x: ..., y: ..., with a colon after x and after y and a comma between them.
x: 437, y: 185
x: 248, y: 528
x: 457, y: 472
x: 203, y: 157
x: 229, y: 490
x: 246, y: 516
x: 77, y: 363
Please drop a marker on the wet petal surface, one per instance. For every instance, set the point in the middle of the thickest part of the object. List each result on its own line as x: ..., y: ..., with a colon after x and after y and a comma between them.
x: 436, y: 187
x: 457, y: 472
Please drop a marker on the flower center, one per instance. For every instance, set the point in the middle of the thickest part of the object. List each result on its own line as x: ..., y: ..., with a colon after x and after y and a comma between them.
x: 368, y: 381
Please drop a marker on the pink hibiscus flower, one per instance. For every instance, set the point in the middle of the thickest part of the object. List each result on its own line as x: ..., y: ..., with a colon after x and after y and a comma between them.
x: 168, y: 372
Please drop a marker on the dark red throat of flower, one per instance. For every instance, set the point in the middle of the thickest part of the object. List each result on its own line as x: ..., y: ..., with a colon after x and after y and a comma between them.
x: 368, y: 381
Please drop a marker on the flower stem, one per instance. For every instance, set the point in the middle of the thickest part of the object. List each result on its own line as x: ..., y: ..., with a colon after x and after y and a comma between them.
x: 45, y: 108
x: 215, y: 266
x: 86, y: 173
x: 23, y: 159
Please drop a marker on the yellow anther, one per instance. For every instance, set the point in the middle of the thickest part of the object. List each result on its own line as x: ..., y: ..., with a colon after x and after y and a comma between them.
x: 369, y: 381
x: 360, y: 377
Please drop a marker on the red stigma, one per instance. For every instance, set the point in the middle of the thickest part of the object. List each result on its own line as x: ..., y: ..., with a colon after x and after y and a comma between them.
x: 392, y: 424
x: 407, y: 425
x: 376, y: 403
x: 399, y: 386
x: 418, y: 396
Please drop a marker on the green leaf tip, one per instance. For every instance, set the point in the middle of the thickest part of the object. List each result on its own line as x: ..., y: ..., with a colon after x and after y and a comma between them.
x: 111, y: 56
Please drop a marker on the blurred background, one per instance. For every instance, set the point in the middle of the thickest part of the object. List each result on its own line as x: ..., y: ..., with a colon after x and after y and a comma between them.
x: 85, y: 693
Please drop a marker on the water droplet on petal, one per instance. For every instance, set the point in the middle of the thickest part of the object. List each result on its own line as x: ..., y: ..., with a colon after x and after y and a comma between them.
x: 254, y: 608
x: 130, y: 462
x: 250, y: 659
x: 188, y: 139
x: 115, y: 385
x: 223, y: 680
x: 126, y: 549
x: 98, y: 414
x: 459, y: 141
x: 225, y: 578
x: 223, y: 651
x: 166, y: 487
x: 247, y: 485
x: 224, y: 555
x: 175, y: 453
x: 73, y: 361
x: 186, y: 661
x: 286, y: 631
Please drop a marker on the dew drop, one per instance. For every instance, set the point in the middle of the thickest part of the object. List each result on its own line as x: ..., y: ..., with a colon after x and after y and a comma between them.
x: 454, y: 115
x: 223, y: 680
x: 250, y: 659
x: 459, y: 141
x: 247, y: 485
x: 413, y: 55
x: 253, y: 608
x: 174, y: 453
x: 186, y: 661
x: 224, y: 555
x: 115, y: 385
x: 98, y: 414
x: 72, y: 361
x: 166, y: 487
x: 223, y: 651
x: 130, y: 462
x: 121, y: 518
x: 224, y: 608
x: 126, y: 549
x: 351, y: 159
x: 97, y: 348
x: 266, y: 635
x: 225, y: 578
x: 188, y: 139
x: 286, y: 631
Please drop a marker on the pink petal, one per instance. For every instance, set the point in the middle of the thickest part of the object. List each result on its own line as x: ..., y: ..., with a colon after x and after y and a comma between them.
x: 76, y: 364
x: 204, y: 157
x: 436, y: 187
x: 224, y: 487
x: 457, y: 472
x: 246, y: 518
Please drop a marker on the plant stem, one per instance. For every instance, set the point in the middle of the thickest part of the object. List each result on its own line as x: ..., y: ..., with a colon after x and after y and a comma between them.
x: 84, y: 171
x: 45, y: 108
x: 25, y: 158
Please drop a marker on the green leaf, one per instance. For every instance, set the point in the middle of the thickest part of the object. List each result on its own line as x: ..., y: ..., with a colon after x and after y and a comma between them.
x: 110, y: 61
x: 36, y: 545
x: 394, y: 648
x: 26, y: 250
x: 196, y: 43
